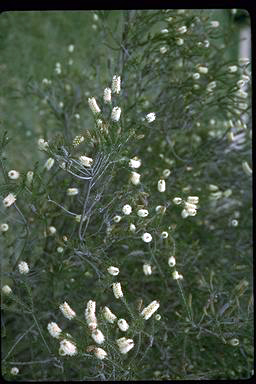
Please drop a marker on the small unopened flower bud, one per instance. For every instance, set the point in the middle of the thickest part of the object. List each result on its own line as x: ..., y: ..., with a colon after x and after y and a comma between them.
x: 30, y: 175
x: 164, y: 31
x: 98, y: 336
x: 14, y: 175
x: 232, y: 68
x: 179, y: 41
x: 161, y: 185
x: 123, y: 325
x: 160, y: 209
x: 125, y: 345
x: 60, y: 249
x: 211, y: 86
x: 6, y: 290
x: 132, y: 227
x: 93, y: 105
x: 67, y: 311
x: 164, y: 235
x: 114, y: 271
x: 171, y: 261
x: 196, y: 76
x: 213, y: 187
x: 109, y: 316
x: 150, y: 309
x: 71, y: 48
x: 166, y: 173
x: 86, y: 161
x: 163, y: 50
x: 116, y: 84
x: 158, y: 317
x: 147, y: 269
x: 127, y: 209
x: 177, y: 200
x: 146, y: 237
x: 23, y: 268
x: 117, y: 290
x: 215, y: 24
x: 150, y: 117
x: 182, y: 29
x: 14, y: 371
x: 4, y: 227
x: 115, y: 114
x: 107, y: 95
x: 184, y: 214
x: 135, y: 163
x: 9, y: 200
x: 52, y: 230
x: 135, y: 178
x: 72, y: 191
x: 67, y: 348
x: 42, y: 145
x: 247, y: 169
x: 234, y: 342
x: 117, y: 218
x: 193, y: 199
x: 142, y: 212
x: 203, y: 69
x: 176, y: 275
x: 100, y: 353
x: 54, y: 330
x: 49, y: 163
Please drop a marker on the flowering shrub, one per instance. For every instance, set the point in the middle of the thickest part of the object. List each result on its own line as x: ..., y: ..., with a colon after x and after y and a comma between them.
x: 117, y: 238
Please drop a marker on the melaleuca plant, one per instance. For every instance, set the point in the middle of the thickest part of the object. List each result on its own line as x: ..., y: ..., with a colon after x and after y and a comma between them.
x: 117, y: 236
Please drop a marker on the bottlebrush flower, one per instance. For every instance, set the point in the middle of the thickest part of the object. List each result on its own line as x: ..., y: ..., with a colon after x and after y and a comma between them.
x: 23, y: 268
x: 135, y: 178
x: 90, y: 314
x: 114, y: 271
x: 98, y: 336
x: 147, y: 269
x: 67, y: 348
x: 100, y: 353
x: 117, y: 290
x: 9, y: 200
x: 150, y: 309
x: 67, y: 311
x: 150, y: 117
x: 4, y: 227
x: 49, y: 163
x: 54, y: 330
x: 116, y: 84
x: 6, y: 290
x: 125, y: 345
x: 123, y: 325
x: 161, y: 185
x: 86, y: 161
x: 72, y: 191
x: 93, y: 105
x: 42, y: 145
x: 115, y: 114
x: 146, y: 237
x: 135, y: 162
x: 171, y: 261
x: 109, y: 316
x: 107, y: 95
x: 142, y: 212
x: 14, y: 175
x: 127, y: 209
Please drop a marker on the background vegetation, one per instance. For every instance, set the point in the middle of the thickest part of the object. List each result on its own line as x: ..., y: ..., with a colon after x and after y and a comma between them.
x: 202, y: 137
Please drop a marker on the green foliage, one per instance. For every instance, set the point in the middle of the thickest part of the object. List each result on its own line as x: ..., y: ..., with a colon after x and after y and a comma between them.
x: 199, y: 143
